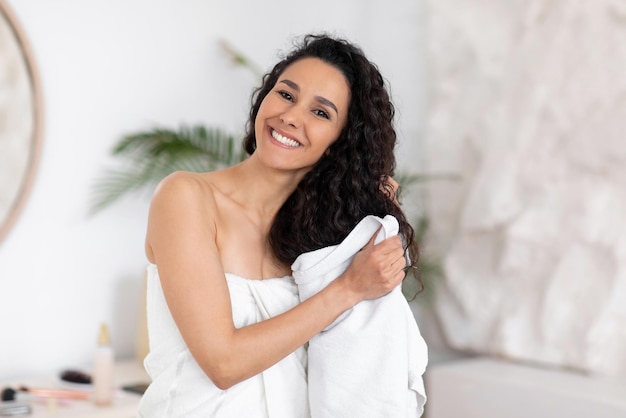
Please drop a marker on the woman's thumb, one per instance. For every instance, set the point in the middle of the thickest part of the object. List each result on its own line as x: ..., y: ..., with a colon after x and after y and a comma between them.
x: 370, y: 243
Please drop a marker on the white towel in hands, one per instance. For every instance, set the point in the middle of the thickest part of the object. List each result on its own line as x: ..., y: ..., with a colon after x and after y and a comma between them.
x: 370, y: 361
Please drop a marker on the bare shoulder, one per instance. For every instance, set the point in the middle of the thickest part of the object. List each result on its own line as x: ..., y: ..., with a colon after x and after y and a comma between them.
x: 185, y: 195
x: 184, y: 190
x: 183, y: 204
x: 183, y: 182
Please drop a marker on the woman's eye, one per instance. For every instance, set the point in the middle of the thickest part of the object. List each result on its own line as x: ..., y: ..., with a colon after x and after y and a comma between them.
x: 321, y: 113
x: 286, y: 95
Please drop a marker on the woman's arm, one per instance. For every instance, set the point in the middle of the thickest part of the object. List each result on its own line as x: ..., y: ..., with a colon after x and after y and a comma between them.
x: 181, y: 240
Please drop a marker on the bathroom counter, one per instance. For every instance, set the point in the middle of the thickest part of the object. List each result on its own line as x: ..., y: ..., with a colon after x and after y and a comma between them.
x: 124, y: 404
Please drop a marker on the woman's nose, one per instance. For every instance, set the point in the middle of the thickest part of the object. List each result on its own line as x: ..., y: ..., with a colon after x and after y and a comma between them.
x: 292, y: 117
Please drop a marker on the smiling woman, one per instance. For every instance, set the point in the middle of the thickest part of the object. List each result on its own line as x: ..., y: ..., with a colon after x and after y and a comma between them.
x: 20, y: 120
x: 227, y: 326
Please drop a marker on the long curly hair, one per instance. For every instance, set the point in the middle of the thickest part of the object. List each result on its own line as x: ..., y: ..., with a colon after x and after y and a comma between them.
x: 352, y: 179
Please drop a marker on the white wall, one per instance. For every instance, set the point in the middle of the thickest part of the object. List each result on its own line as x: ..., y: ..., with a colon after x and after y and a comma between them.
x: 116, y: 66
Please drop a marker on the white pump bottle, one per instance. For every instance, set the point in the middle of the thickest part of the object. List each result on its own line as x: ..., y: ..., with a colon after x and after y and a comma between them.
x: 102, y: 378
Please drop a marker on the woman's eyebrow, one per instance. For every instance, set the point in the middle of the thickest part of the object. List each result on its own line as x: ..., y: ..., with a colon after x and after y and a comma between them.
x: 291, y: 84
x: 320, y: 99
x: 327, y: 102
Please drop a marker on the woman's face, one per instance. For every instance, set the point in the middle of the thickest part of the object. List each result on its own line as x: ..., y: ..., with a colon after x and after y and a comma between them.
x: 302, y: 115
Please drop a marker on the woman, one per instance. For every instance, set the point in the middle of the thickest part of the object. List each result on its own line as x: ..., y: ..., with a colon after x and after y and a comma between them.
x: 226, y: 327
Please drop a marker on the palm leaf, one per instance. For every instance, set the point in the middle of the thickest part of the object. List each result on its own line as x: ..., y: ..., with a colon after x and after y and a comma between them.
x: 150, y: 156
x: 429, y: 268
x: 406, y: 179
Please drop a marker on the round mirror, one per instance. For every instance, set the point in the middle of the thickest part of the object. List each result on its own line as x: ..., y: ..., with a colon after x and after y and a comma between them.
x: 20, y: 119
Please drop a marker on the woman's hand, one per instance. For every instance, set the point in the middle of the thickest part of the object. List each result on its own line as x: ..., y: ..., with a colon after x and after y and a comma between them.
x: 376, y: 269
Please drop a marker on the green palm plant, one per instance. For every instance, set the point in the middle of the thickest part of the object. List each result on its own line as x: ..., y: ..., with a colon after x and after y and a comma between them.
x: 150, y: 156
x: 429, y: 270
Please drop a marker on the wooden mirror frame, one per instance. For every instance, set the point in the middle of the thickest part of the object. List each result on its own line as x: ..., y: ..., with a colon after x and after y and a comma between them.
x: 26, y: 176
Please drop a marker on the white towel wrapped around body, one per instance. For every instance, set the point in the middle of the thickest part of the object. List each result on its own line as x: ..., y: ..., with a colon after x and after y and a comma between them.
x: 370, y: 361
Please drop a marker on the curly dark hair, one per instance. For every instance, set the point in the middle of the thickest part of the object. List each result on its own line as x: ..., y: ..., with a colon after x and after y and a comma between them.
x: 350, y: 181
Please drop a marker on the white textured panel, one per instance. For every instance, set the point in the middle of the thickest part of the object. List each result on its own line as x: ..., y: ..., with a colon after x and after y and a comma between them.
x: 528, y: 104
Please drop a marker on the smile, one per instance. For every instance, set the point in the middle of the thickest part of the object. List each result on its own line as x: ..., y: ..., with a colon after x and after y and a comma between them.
x: 284, y: 140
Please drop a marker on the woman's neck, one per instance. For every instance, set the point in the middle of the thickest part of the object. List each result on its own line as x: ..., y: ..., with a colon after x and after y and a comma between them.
x: 260, y: 189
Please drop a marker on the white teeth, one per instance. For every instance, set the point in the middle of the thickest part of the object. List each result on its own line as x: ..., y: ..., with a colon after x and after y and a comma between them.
x: 284, y: 140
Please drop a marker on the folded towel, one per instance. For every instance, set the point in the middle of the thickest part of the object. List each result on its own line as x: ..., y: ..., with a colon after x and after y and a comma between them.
x: 370, y: 361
